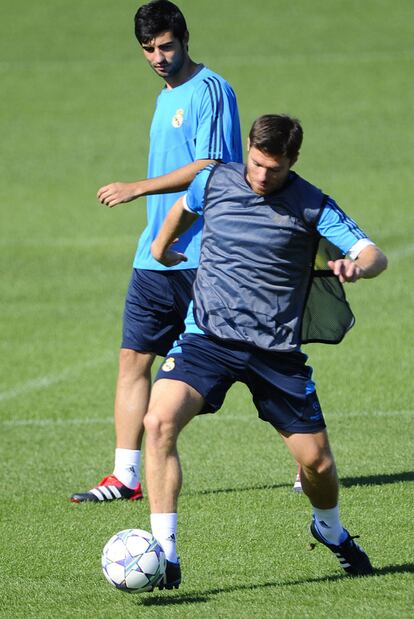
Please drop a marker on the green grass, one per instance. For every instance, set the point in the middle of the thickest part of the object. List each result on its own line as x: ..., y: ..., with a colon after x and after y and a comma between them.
x: 75, y: 112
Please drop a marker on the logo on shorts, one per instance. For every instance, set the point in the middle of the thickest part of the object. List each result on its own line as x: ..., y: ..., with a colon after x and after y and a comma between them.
x: 178, y: 118
x: 168, y: 365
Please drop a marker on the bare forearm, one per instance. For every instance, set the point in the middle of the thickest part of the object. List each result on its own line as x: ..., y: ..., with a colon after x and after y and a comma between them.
x: 178, y: 180
x: 177, y: 221
x: 370, y: 263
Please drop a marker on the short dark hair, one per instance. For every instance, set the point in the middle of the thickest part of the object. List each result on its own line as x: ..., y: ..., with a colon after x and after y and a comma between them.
x: 159, y: 16
x: 277, y: 134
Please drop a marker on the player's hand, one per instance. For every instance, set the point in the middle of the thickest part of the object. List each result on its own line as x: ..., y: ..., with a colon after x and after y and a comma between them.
x: 117, y: 193
x: 171, y: 258
x: 346, y: 270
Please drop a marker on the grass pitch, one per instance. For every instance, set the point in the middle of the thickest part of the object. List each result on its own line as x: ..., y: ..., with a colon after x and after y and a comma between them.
x: 75, y: 112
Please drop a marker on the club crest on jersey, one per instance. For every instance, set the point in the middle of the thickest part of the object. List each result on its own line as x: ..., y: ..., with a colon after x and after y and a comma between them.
x: 178, y: 118
x: 168, y: 365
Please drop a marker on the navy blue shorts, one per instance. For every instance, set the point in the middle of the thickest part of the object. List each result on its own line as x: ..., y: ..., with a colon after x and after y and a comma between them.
x: 280, y: 383
x: 155, y: 309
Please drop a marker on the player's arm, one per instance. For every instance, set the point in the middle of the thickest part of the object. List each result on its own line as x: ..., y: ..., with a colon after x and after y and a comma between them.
x: 177, y: 221
x: 177, y: 180
x: 370, y: 262
x: 363, y: 258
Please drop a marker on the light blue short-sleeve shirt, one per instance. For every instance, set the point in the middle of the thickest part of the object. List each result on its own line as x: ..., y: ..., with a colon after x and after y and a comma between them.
x: 197, y: 120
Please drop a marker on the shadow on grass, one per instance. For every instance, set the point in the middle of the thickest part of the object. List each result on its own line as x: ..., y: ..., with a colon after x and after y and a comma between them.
x: 236, y: 489
x: 178, y: 599
x: 346, y: 482
x: 377, y: 480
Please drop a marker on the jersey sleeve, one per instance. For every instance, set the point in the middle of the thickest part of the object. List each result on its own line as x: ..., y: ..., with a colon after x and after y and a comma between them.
x: 194, y: 198
x: 218, y: 125
x: 341, y: 230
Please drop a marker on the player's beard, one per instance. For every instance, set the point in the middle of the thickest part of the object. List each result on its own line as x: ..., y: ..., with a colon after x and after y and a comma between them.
x: 170, y: 69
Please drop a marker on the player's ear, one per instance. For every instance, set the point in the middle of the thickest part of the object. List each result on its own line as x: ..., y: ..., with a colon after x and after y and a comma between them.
x: 294, y: 160
x: 248, y: 144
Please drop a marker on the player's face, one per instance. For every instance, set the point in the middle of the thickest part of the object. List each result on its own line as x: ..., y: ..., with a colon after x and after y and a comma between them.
x: 165, y: 54
x: 266, y: 173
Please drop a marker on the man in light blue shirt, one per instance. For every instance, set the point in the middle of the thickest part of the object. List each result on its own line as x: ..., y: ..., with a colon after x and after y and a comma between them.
x: 196, y: 122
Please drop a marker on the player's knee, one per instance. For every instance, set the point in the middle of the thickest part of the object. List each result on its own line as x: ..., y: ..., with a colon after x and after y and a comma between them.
x: 158, y: 427
x: 152, y: 424
x: 320, y: 464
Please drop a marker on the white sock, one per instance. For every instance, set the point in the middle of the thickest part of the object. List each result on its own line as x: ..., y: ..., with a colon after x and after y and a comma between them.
x: 127, y: 463
x: 329, y: 525
x: 164, y: 529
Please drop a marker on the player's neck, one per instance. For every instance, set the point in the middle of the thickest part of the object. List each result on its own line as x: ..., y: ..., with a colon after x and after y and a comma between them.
x: 186, y: 72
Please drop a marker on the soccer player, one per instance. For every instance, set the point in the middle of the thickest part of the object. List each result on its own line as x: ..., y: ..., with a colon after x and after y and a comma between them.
x: 262, y: 225
x: 196, y: 122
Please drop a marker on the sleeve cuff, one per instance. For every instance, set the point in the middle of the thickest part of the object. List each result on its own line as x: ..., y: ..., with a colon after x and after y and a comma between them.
x: 356, y: 249
x: 185, y: 204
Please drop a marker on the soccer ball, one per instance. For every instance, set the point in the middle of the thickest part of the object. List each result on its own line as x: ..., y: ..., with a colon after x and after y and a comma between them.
x: 133, y: 561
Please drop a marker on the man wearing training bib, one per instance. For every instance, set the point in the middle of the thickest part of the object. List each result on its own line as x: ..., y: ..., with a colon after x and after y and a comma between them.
x: 263, y: 227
